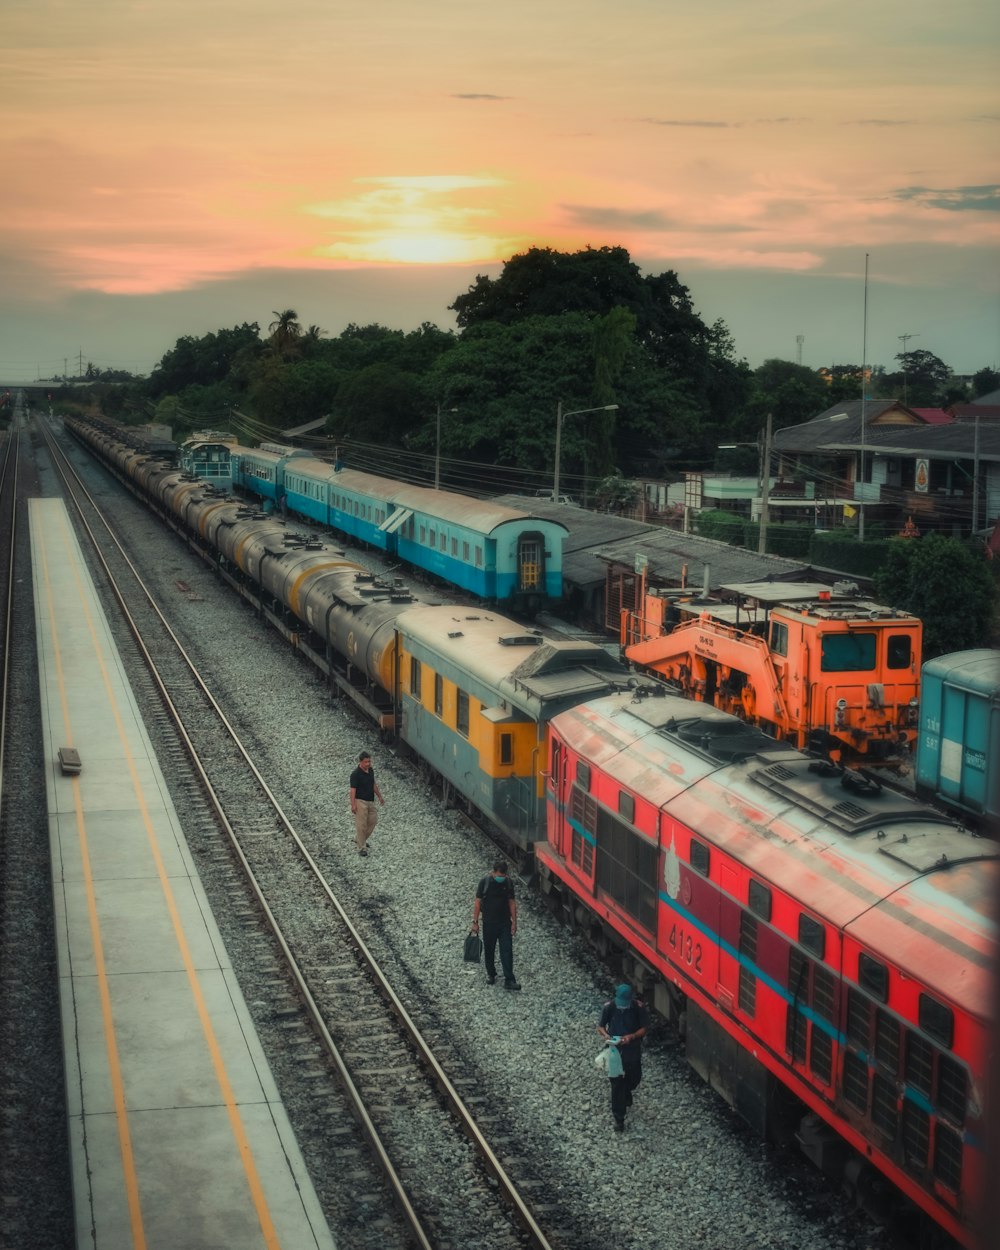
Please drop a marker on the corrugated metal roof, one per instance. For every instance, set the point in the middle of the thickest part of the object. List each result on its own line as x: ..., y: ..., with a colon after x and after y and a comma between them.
x: 670, y: 553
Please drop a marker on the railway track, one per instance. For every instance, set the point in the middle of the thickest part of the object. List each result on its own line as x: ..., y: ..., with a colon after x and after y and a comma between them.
x: 397, y: 1121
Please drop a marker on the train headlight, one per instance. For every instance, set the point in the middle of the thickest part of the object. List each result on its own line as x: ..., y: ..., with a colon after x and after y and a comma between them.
x: 840, y: 715
x: 913, y: 712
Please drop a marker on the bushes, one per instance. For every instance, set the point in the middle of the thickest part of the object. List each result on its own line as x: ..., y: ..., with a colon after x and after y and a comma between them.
x: 842, y: 551
x: 726, y: 527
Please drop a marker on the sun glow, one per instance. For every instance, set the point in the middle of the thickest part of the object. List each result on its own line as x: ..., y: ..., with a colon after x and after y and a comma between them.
x: 414, y: 220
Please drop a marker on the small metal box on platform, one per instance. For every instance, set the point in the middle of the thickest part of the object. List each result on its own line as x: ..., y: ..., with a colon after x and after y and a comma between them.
x: 69, y: 760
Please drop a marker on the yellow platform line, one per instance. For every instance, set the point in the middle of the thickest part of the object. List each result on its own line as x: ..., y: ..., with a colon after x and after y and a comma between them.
x: 268, y: 1230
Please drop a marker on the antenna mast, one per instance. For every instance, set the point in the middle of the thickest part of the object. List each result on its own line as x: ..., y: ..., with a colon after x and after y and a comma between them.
x: 864, y: 370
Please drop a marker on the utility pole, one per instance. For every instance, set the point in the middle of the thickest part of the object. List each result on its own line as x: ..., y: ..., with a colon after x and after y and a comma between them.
x: 799, y: 340
x: 904, y: 339
x: 765, y: 488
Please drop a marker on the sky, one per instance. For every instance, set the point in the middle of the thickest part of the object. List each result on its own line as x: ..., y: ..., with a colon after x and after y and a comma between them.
x: 172, y: 167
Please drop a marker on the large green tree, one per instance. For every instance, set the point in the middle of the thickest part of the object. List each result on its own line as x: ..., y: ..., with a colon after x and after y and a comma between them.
x: 923, y: 379
x: 950, y: 588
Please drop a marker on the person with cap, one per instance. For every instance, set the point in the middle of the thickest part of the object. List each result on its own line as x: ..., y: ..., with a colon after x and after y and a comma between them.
x: 624, y: 1021
x: 364, y: 791
x: 496, y: 904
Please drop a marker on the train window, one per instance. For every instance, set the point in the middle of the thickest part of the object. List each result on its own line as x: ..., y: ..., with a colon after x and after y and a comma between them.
x: 462, y: 715
x: 812, y: 935
x: 442, y: 540
x: 759, y: 897
x: 454, y: 546
x: 847, y: 653
x: 626, y: 806
x: 936, y: 1020
x: 948, y: 1158
x: 779, y: 638
x: 432, y: 539
x: 699, y: 857
x: 507, y: 749
x: 582, y: 775
x: 874, y: 977
x: 748, y: 949
x: 423, y: 534
x: 355, y: 508
x: 438, y: 694
x: 465, y: 552
x: 414, y: 676
x: 479, y: 557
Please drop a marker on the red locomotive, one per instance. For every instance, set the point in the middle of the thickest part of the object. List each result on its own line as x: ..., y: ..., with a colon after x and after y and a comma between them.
x: 825, y: 946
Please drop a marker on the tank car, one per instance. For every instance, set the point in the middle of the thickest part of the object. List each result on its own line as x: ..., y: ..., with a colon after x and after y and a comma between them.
x: 958, y: 750
x: 827, y: 946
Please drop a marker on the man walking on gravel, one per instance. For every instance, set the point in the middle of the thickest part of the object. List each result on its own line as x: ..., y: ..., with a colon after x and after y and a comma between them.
x: 364, y: 791
x: 496, y: 904
x: 624, y: 1021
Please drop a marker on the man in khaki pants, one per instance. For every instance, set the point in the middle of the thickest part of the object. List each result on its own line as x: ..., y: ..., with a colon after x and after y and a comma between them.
x: 364, y: 791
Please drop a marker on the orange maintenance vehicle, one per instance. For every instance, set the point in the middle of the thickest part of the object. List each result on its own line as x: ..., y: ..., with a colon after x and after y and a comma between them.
x: 825, y: 671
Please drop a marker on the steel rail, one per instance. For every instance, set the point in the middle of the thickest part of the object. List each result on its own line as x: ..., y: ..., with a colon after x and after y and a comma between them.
x: 511, y: 1196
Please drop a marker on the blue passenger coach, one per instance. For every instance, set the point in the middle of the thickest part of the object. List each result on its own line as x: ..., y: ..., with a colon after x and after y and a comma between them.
x: 490, y: 550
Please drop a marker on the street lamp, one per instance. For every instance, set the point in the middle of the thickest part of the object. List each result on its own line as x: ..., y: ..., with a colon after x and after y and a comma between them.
x: 560, y: 418
x: 437, y: 448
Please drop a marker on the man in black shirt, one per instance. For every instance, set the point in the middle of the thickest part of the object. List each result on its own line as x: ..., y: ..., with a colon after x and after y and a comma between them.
x: 364, y: 790
x: 624, y: 1021
x: 496, y: 904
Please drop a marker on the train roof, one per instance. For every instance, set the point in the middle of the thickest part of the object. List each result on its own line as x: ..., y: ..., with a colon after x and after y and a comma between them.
x: 977, y: 669
x: 501, y: 662
x: 894, y: 874
x: 482, y: 515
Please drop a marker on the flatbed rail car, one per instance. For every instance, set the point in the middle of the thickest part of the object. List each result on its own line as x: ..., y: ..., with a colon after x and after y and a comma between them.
x: 826, y: 946
x: 838, y: 675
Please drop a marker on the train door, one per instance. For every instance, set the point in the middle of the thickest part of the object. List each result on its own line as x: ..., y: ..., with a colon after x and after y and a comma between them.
x: 531, y: 562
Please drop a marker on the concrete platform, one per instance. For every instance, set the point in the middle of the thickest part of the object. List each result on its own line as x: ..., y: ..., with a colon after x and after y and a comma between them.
x: 179, y: 1138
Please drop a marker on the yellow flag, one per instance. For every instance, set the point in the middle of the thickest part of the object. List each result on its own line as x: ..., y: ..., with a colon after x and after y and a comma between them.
x: 849, y: 511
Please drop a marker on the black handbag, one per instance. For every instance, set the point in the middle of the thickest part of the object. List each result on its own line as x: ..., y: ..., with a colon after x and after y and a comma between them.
x: 473, y: 948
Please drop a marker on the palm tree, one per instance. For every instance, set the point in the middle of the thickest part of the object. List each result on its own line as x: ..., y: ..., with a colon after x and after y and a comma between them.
x: 285, y: 332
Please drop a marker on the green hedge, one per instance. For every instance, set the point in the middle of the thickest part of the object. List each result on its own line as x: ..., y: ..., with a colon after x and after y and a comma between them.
x: 724, y: 526
x: 842, y: 551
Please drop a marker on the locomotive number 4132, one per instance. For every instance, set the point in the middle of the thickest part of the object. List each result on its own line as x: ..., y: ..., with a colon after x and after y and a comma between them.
x: 686, y: 946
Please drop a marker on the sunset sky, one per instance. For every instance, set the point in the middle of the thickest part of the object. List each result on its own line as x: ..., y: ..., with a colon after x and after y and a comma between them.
x: 170, y: 168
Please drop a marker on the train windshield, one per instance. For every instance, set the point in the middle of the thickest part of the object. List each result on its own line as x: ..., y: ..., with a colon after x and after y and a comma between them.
x: 848, y: 653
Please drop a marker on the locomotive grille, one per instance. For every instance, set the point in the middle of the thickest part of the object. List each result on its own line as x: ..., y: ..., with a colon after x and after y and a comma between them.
x: 780, y: 773
x: 823, y: 993
x: 952, y: 1091
x: 885, y: 1114
x: 916, y: 1133
x: 821, y: 1055
x: 887, y: 1041
x: 855, y: 1081
x: 919, y: 1064
x: 851, y: 810
x: 948, y: 1157
x: 858, y: 1019
x: 748, y: 947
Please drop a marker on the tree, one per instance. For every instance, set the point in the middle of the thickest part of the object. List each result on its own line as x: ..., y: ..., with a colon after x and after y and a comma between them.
x: 984, y: 382
x: 922, y: 378
x: 285, y: 333
x: 948, y: 586
x: 792, y: 394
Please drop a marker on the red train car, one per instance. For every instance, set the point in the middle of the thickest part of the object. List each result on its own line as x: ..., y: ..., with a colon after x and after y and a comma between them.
x: 827, y: 947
